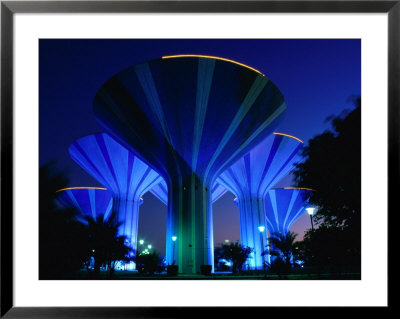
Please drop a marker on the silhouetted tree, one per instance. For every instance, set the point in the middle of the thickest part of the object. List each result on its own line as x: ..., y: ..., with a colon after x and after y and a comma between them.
x: 150, y: 262
x: 105, y: 245
x: 65, y: 243
x: 332, y: 166
x: 61, y: 237
x: 235, y: 253
x: 279, y: 267
x: 281, y: 246
x: 326, y: 249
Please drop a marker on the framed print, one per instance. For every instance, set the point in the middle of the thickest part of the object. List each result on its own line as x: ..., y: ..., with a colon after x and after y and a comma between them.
x: 165, y: 157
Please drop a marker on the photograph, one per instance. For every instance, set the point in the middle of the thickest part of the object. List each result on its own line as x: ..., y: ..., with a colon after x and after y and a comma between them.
x: 199, y: 159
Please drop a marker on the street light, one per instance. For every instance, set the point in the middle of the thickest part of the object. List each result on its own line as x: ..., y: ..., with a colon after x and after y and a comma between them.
x: 149, y: 246
x: 141, y: 242
x: 173, y: 248
x: 261, y: 229
x: 310, y: 211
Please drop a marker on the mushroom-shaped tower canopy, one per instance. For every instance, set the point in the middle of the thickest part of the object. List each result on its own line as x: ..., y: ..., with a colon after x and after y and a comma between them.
x: 189, y: 117
x: 283, y: 206
x: 91, y: 202
x: 251, y: 177
x: 161, y: 192
x: 121, y: 172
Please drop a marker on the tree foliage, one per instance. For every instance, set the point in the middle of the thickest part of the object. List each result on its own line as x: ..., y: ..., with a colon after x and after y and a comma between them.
x: 65, y: 243
x: 327, y: 249
x: 150, y: 262
x: 332, y: 166
x: 62, y: 245
x: 235, y: 253
x: 281, y: 246
x: 106, y: 246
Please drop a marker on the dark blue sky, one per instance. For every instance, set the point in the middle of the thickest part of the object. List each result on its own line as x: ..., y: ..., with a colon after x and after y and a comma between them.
x: 316, y: 78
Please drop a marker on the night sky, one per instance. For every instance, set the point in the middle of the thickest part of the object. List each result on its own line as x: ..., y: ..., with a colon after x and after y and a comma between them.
x: 316, y: 77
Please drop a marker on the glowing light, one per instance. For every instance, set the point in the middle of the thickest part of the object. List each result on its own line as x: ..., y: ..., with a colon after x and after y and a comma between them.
x: 68, y: 188
x: 174, y: 238
x: 225, y: 262
x: 210, y: 57
x: 261, y: 228
x: 141, y: 242
x: 307, y: 189
x: 310, y: 210
x: 149, y: 246
x: 287, y: 135
x: 227, y: 240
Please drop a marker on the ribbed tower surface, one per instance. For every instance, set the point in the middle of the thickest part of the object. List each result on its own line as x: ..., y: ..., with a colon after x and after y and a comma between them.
x: 250, y: 178
x: 90, y: 202
x: 121, y: 172
x: 190, y: 118
x: 283, y: 206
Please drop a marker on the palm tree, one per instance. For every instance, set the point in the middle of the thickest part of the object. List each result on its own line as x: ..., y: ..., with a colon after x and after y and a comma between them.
x: 281, y: 251
x: 61, y: 237
x: 281, y: 245
x: 235, y: 253
x: 107, y: 247
x: 150, y: 262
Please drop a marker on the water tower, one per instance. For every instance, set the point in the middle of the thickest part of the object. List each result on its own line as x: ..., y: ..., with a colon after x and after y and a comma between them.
x: 121, y: 172
x: 283, y: 206
x: 250, y: 178
x: 190, y: 117
x: 90, y: 202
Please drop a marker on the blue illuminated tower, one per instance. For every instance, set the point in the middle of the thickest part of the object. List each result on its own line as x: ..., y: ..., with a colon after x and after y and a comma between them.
x: 283, y: 206
x: 250, y: 178
x: 161, y: 192
x: 92, y: 202
x: 190, y: 117
x: 121, y: 172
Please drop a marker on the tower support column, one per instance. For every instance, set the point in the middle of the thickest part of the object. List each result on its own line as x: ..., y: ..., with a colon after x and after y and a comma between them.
x: 189, y: 218
x: 128, y: 215
x: 252, y: 215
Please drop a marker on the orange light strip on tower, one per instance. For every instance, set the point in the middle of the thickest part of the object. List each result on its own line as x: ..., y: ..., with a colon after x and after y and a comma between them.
x: 68, y: 188
x: 210, y: 57
x: 296, y: 138
x: 307, y: 189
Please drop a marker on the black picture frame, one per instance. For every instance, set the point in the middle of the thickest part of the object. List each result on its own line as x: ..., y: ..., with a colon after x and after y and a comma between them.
x: 9, y: 8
